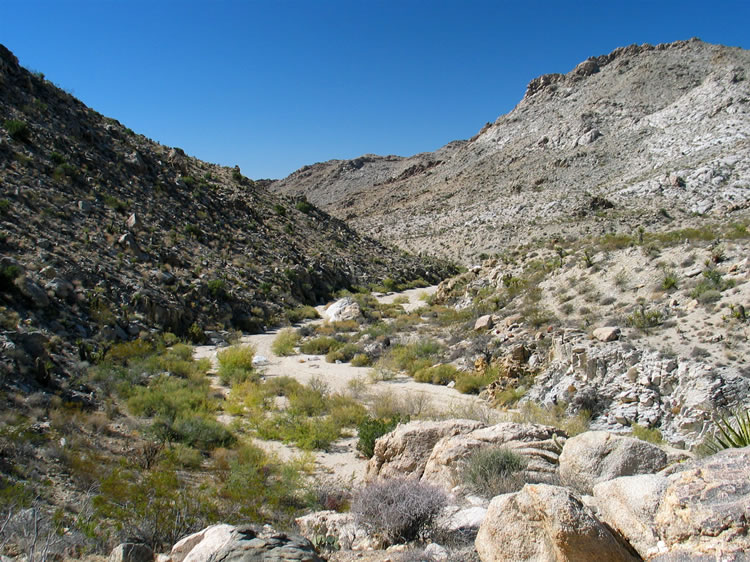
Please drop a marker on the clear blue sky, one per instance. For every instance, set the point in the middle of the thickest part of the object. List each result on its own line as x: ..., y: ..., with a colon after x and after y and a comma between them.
x: 275, y: 85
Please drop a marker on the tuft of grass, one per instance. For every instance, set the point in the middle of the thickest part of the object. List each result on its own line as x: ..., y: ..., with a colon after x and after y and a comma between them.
x: 439, y: 374
x: 651, y: 435
x: 284, y: 343
x: 491, y: 471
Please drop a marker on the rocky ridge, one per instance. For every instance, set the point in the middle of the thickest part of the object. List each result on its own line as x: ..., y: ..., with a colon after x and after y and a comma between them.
x: 105, y: 234
x: 648, y: 136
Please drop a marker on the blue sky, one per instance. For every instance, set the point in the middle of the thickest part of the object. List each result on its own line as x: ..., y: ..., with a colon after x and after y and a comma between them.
x: 275, y: 85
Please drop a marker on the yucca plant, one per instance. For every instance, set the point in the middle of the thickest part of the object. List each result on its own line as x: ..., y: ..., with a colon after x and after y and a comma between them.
x: 732, y: 431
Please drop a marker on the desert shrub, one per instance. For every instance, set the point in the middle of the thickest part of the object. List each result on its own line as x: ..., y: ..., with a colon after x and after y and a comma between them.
x: 320, y: 346
x: 303, y: 206
x: 414, y: 356
x: 301, y: 313
x: 473, y: 383
x: 308, y: 401
x: 285, y: 342
x: 730, y: 431
x: 669, y: 281
x: 643, y: 319
x: 8, y: 274
x: 236, y: 364
x: 202, y: 432
x: 18, y: 130
x: 370, y: 429
x: 439, y: 374
x: 398, y: 510
x: 156, y: 508
x: 170, y: 398
x: 306, y: 433
x: 510, y: 395
x: 344, y: 354
x: 491, y: 471
x: 709, y: 288
x: 345, y: 411
x: 124, y: 351
x: 361, y: 360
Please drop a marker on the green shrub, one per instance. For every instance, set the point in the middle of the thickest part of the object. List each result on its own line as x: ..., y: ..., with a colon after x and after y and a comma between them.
x: 370, y: 429
x: 203, y: 432
x: 361, y: 360
x: 669, y: 281
x: 644, y: 319
x: 491, y: 471
x: 555, y: 415
x: 170, y: 398
x: 285, y: 342
x: 710, y: 287
x: 236, y: 364
x: 413, y: 357
x: 8, y: 274
x: 217, y: 288
x: 18, y: 130
x: 156, y: 508
x: 473, y: 383
x: 301, y: 313
x: 439, y: 374
x: 303, y: 206
x: 343, y: 354
x: 320, y: 346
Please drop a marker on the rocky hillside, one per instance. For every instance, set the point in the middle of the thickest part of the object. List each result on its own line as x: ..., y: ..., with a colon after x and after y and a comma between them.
x: 646, y: 136
x: 105, y: 234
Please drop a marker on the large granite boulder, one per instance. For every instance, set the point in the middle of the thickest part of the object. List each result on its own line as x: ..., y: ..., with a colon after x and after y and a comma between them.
x: 343, y: 309
x: 700, y: 512
x: 543, y: 522
x: 597, y: 456
x: 539, y: 444
x: 403, y: 452
x: 246, y: 543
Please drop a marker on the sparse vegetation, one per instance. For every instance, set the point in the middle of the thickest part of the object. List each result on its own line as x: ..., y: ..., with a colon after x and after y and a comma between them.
x: 236, y: 364
x: 285, y: 342
x: 491, y: 471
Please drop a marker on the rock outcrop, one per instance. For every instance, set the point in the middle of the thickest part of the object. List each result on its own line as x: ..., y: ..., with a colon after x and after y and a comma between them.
x: 224, y: 543
x: 543, y: 522
x: 598, y: 456
x: 403, y: 453
x: 540, y: 445
x: 700, y: 512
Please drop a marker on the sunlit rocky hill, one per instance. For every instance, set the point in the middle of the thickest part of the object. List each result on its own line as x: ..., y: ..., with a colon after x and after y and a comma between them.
x: 646, y: 136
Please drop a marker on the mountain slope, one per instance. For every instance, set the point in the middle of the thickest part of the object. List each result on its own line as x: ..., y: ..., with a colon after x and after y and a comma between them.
x: 641, y: 137
x: 105, y: 234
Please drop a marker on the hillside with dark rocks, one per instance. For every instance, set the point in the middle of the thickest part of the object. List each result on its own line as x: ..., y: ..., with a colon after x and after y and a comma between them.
x: 645, y: 136
x: 105, y: 234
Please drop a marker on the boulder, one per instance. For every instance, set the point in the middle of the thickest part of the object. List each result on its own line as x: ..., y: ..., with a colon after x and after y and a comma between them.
x: 705, y: 509
x: 607, y: 333
x: 597, y: 456
x: 198, y: 546
x: 543, y: 522
x: 32, y: 291
x: 340, y: 526
x: 246, y: 543
x: 454, y: 518
x: 343, y: 309
x: 483, y: 323
x: 628, y: 504
x: 403, y: 452
x: 699, y: 512
x: 538, y: 443
x: 131, y: 552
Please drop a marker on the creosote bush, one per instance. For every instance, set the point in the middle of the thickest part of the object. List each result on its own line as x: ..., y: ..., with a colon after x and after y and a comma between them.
x: 236, y: 364
x: 284, y: 343
x: 398, y: 510
x: 370, y: 429
x: 491, y: 471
